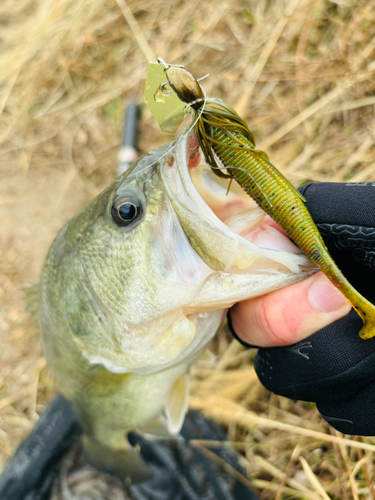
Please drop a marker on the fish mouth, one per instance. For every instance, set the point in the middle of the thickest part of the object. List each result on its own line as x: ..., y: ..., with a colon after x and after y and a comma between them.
x: 215, y: 264
x: 247, y: 241
x: 243, y: 257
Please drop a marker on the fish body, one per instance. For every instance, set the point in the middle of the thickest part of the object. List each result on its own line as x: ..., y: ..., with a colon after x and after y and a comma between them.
x: 228, y: 144
x: 133, y: 289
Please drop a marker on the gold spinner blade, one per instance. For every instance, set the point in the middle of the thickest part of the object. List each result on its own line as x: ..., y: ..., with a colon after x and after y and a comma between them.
x: 162, y: 101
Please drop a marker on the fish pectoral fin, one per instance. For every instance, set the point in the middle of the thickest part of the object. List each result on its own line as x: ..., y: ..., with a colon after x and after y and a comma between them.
x: 177, y: 404
x: 157, y: 429
x: 207, y: 357
x: 98, y: 381
x: 126, y: 463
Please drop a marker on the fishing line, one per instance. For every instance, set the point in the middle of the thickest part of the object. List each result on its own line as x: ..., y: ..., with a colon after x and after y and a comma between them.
x: 199, y: 114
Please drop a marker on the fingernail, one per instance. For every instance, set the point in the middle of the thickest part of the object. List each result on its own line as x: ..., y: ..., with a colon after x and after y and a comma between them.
x: 324, y: 297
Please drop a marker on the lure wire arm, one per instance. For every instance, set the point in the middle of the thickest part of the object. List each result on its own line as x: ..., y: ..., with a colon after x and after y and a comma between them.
x: 161, y: 61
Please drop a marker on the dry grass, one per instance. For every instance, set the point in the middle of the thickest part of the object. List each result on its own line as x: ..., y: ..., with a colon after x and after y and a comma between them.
x: 302, y: 73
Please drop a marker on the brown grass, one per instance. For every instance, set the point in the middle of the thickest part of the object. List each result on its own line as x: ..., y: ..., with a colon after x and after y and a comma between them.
x: 302, y: 73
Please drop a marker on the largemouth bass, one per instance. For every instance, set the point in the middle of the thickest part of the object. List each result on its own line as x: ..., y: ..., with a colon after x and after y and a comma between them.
x: 133, y: 289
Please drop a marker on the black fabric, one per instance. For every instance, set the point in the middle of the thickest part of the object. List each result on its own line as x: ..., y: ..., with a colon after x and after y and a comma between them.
x: 29, y: 474
x: 179, y: 471
x: 334, y: 367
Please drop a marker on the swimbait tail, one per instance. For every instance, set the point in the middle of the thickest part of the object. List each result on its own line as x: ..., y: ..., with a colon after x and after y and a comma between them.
x: 229, y: 148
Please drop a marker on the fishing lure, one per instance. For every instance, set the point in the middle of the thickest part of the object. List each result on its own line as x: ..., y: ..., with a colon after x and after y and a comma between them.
x: 229, y: 148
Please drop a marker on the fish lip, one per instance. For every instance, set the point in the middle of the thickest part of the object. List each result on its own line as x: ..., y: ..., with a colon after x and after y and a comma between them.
x: 178, y: 181
x: 181, y: 155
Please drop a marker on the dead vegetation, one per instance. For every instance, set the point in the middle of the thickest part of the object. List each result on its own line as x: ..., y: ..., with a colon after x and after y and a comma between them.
x: 302, y: 74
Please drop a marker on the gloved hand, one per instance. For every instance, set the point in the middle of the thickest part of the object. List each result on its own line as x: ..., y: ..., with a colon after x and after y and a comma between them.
x: 333, y: 367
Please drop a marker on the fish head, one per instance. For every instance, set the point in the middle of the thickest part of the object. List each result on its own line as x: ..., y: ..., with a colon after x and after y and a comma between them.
x: 139, y: 281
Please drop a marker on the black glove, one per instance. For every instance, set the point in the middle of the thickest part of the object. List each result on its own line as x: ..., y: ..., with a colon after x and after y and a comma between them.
x: 334, y: 367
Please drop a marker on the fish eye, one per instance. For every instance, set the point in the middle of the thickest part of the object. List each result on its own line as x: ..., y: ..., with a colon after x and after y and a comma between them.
x: 126, y: 211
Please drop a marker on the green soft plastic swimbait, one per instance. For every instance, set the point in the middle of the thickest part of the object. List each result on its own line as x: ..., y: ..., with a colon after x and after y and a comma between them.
x: 229, y: 145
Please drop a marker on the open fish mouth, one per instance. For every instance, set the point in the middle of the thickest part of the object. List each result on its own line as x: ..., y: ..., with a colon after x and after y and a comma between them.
x: 246, y: 256
x: 236, y: 244
x: 201, y: 267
